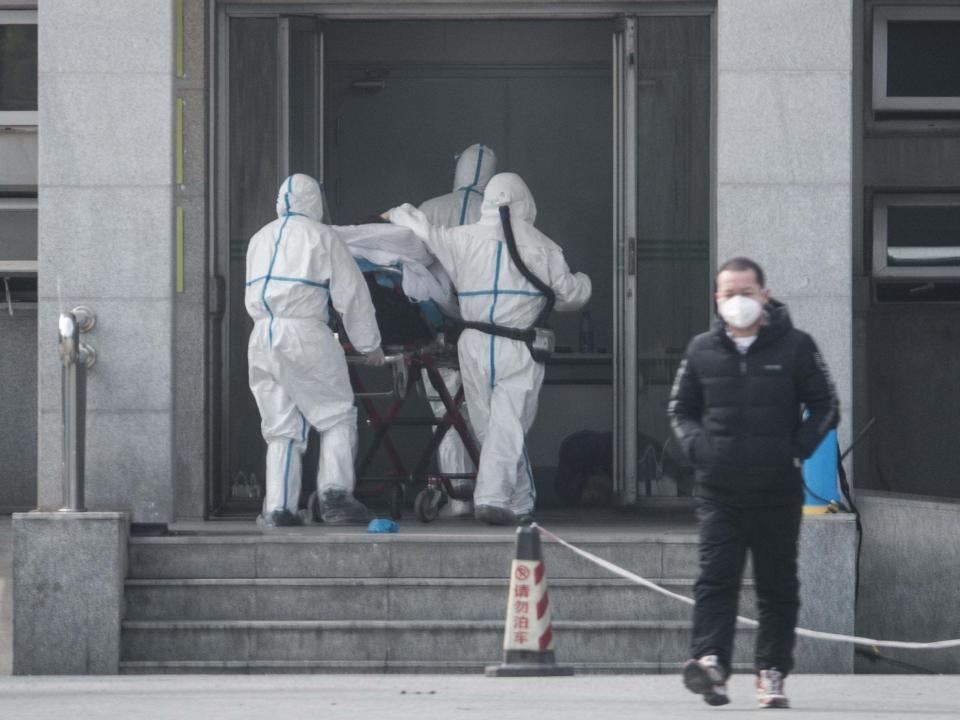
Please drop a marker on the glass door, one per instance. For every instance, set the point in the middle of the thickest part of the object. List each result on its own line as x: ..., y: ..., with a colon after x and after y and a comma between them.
x: 272, y: 88
x: 662, y: 109
x: 625, y: 259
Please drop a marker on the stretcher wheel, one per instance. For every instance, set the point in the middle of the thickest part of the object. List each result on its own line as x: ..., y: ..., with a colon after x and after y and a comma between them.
x: 396, y: 501
x: 427, y: 504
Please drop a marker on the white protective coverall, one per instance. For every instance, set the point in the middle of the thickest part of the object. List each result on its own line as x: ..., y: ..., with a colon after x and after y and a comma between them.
x: 298, y: 372
x: 501, y: 380
x: 475, y: 166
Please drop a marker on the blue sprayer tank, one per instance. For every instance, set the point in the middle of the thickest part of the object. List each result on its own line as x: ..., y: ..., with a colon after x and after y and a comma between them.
x: 820, y: 476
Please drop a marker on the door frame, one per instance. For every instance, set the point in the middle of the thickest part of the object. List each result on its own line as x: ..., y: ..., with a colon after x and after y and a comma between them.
x: 624, y: 207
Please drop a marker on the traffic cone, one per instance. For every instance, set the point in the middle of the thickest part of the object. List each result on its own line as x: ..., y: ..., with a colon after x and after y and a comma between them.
x: 528, y: 635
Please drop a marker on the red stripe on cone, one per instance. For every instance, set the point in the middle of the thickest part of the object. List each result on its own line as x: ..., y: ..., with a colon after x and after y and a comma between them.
x: 546, y: 638
x: 543, y: 606
x: 539, y: 573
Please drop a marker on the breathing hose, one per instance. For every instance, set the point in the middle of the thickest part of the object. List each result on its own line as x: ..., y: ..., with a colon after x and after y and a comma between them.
x: 538, y: 337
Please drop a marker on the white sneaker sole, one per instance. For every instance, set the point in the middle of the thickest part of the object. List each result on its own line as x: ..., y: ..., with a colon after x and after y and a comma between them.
x: 696, y: 680
x: 778, y: 702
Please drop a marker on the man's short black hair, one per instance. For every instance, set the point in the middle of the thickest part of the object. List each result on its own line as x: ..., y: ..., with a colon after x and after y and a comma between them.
x: 739, y: 264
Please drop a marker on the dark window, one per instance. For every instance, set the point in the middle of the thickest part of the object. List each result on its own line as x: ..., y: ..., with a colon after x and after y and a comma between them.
x: 923, y: 235
x: 18, y: 290
x: 18, y: 232
x: 18, y: 67
x: 923, y: 59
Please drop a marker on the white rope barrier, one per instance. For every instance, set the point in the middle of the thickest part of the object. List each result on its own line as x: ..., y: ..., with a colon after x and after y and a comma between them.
x: 749, y: 622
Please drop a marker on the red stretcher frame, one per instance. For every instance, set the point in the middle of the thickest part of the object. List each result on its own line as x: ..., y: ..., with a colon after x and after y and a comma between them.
x: 385, y: 418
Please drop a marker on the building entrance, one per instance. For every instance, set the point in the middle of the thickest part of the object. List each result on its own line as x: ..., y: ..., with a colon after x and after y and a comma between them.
x: 615, y: 147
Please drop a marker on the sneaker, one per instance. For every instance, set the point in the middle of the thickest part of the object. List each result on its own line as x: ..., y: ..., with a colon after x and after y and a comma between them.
x: 704, y: 676
x: 493, y: 515
x: 770, y: 689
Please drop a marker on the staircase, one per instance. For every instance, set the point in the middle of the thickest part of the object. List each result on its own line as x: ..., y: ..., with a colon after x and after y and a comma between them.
x: 301, y: 601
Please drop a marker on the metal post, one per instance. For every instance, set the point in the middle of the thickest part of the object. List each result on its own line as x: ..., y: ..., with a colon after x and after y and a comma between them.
x: 75, y: 358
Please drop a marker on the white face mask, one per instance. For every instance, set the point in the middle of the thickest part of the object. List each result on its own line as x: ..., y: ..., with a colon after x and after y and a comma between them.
x: 740, y: 311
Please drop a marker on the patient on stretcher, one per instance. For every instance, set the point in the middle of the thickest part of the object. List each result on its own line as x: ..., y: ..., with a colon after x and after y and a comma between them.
x: 412, y: 293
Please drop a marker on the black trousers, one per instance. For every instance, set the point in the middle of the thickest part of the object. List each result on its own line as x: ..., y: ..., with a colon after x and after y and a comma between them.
x: 772, y: 535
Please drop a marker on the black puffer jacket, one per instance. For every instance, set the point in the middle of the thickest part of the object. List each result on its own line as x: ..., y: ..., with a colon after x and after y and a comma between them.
x: 739, y: 417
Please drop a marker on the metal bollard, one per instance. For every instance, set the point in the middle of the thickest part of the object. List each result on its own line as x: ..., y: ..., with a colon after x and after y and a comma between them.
x: 75, y: 358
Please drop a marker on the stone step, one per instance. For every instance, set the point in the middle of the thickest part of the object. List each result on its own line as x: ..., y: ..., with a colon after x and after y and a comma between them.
x: 417, y: 642
x: 397, y: 599
x: 451, y: 667
x: 394, y: 556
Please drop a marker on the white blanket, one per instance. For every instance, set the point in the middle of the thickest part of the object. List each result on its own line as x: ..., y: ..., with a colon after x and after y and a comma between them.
x: 384, y: 244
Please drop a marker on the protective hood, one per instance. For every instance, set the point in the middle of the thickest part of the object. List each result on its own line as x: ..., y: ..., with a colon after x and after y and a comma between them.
x: 475, y: 166
x: 300, y: 195
x: 508, y: 189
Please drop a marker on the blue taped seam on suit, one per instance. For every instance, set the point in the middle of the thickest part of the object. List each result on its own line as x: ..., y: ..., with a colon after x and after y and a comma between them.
x: 527, y: 293
x: 273, y: 258
x: 466, y: 190
x: 281, y: 278
x: 266, y: 278
x: 533, y: 486
x: 286, y: 472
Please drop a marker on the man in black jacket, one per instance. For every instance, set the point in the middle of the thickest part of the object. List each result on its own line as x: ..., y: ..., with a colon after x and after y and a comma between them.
x: 752, y: 399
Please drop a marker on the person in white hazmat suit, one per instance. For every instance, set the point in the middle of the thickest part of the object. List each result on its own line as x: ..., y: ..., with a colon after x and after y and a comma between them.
x: 500, y: 378
x: 475, y: 166
x: 298, y: 371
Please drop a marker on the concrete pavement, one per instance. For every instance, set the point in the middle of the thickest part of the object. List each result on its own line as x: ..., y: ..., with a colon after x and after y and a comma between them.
x: 413, y: 697
x: 6, y: 595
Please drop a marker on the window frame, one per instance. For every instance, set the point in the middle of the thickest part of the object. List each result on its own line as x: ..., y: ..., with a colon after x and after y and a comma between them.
x: 880, y: 100
x: 19, y: 118
x: 883, y: 201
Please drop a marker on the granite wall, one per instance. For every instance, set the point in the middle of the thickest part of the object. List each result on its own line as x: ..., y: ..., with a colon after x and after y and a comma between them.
x: 909, y: 580
x: 827, y: 562
x: 68, y: 572
x: 18, y: 400
x: 785, y: 161
x: 106, y: 241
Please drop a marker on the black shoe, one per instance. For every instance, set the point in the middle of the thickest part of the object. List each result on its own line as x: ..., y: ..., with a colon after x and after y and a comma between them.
x: 492, y: 515
x: 526, y: 519
x: 704, y: 676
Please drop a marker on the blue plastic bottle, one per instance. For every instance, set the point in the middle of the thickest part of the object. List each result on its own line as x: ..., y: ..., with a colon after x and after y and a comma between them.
x: 586, y: 332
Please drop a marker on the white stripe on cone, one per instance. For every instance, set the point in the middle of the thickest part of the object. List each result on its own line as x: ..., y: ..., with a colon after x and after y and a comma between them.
x: 528, y: 608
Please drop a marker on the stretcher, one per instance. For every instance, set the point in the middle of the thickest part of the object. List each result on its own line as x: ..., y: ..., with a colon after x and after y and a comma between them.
x: 383, y: 407
x: 423, y: 350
